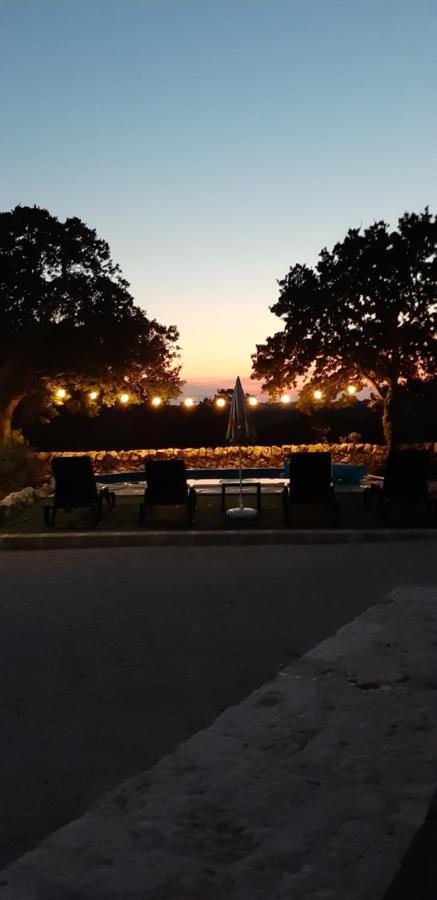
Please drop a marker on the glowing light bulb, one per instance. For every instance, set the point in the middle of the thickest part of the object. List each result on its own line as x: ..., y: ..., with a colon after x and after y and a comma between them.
x: 220, y: 402
x: 252, y: 401
x: 351, y: 389
x: 318, y: 395
x: 285, y: 398
x: 93, y: 395
x: 124, y: 397
x: 61, y: 394
x: 188, y: 402
x: 156, y: 401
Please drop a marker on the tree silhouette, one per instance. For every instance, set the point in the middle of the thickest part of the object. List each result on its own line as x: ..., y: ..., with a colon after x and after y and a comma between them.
x: 67, y: 319
x: 366, y: 313
x: 226, y: 393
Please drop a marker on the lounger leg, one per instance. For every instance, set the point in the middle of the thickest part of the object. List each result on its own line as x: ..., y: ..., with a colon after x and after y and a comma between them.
x: 109, y: 496
x: 191, y: 504
x: 49, y: 516
x: 286, y: 504
x: 96, y: 512
x: 430, y: 512
x: 367, y: 497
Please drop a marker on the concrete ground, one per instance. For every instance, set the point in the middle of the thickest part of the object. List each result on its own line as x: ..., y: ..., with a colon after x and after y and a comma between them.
x: 109, y: 659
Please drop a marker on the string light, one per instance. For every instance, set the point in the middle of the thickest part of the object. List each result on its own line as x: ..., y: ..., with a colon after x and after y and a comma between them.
x: 61, y: 393
x: 285, y: 398
x: 93, y: 395
x: 220, y: 402
x: 318, y: 394
x: 351, y: 389
x: 124, y: 397
x: 188, y: 402
x: 156, y: 401
x: 252, y: 401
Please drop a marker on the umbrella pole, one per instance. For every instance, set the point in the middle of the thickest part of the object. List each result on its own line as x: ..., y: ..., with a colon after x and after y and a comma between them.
x: 241, y: 477
x: 237, y: 429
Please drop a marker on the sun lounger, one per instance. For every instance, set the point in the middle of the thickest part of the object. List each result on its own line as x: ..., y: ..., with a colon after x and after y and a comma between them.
x: 406, y: 480
x: 167, y: 486
x: 75, y: 487
x: 311, y: 484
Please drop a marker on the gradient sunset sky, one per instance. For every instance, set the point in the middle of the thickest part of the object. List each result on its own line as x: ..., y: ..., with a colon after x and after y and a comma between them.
x: 214, y: 143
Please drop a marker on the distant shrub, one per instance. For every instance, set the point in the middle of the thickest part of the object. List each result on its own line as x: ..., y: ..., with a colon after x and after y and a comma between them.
x: 320, y: 433
x: 354, y: 437
x: 13, y: 464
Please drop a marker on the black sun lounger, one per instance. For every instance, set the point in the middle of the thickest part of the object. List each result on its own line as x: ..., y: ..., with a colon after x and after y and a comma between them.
x: 310, y: 484
x: 406, y: 480
x: 75, y: 487
x: 167, y: 486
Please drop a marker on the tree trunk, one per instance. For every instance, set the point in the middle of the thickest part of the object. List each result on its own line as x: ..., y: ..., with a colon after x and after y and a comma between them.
x: 7, y: 409
x: 389, y: 416
x: 389, y: 408
x: 14, y: 383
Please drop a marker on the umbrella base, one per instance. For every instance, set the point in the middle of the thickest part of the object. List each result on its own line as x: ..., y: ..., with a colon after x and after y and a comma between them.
x: 242, y: 512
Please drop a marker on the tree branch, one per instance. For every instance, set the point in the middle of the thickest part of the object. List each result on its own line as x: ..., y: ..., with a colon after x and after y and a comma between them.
x: 372, y: 383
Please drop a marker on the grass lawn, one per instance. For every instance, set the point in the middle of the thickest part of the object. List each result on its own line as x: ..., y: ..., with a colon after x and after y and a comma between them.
x: 209, y: 516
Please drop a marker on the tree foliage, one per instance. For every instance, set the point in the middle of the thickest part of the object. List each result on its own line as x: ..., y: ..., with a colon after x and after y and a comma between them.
x: 366, y: 313
x: 67, y: 318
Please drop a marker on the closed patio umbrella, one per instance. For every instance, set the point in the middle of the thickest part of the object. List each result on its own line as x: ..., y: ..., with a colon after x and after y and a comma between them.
x: 239, y: 432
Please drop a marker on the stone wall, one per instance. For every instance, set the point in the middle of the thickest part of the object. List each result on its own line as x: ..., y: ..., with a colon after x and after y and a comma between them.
x: 106, y: 461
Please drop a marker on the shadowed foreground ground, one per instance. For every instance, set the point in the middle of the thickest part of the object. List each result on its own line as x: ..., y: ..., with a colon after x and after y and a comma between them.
x: 111, y: 658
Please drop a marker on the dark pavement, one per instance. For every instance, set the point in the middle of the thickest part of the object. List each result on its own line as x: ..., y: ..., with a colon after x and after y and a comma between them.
x: 110, y: 658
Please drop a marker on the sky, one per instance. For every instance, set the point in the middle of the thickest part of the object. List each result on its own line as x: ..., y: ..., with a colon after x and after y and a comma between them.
x: 215, y: 143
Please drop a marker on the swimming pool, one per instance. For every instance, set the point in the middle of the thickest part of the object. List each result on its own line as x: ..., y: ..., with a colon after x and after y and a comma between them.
x: 343, y: 474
